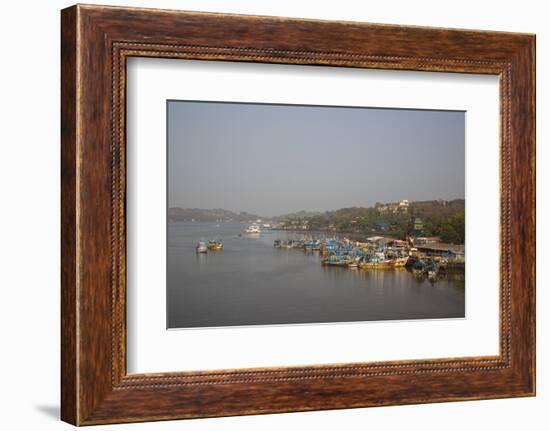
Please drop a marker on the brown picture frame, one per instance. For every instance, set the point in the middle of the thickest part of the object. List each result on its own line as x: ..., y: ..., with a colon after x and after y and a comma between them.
x: 95, y: 43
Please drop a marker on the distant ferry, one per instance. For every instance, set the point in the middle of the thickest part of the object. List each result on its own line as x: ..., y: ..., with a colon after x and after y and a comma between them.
x: 253, y: 228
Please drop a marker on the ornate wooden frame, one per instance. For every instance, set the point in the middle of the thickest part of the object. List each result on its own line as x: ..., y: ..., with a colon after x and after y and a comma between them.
x: 95, y: 42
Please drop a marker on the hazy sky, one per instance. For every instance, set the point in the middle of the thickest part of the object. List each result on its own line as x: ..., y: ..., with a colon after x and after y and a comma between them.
x: 275, y: 159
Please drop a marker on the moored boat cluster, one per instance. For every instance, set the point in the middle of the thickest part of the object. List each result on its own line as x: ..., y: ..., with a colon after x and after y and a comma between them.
x: 376, y: 253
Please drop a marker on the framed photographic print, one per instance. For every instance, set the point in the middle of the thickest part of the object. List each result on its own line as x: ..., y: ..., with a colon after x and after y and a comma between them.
x: 268, y: 215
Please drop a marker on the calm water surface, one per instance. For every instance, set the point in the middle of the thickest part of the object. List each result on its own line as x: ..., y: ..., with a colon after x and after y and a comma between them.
x: 252, y: 283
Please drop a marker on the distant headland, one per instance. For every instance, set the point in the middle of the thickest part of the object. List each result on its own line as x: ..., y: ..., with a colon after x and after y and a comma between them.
x: 441, y: 218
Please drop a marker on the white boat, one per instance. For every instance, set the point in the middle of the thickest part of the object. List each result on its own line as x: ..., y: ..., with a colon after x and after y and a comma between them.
x: 253, y: 228
x: 201, y: 247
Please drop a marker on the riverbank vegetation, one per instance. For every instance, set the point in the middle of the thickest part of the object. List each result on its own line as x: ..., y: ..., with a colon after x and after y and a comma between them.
x: 444, y: 219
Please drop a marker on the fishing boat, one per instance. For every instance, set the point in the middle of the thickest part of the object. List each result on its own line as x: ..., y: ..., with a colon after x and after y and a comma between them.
x: 311, y: 246
x: 425, y: 268
x: 399, y: 262
x: 418, y: 268
x: 201, y: 247
x: 382, y: 264
x: 375, y: 261
x: 253, y: 228
x: 215, y: 245
x: 329, y: 247
x: 335, y: 260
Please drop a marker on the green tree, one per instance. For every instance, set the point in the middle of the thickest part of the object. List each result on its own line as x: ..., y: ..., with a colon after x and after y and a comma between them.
x: 449, y: 234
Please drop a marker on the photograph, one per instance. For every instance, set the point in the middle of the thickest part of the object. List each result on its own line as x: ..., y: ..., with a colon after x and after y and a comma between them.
x: 281, y: 214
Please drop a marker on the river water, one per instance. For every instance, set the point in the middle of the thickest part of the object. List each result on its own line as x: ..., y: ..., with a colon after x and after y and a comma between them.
x: 250, y: 282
